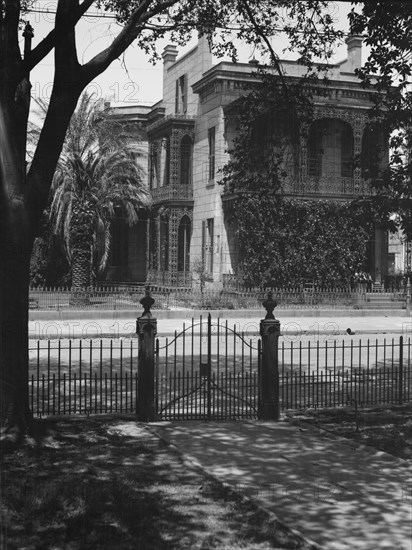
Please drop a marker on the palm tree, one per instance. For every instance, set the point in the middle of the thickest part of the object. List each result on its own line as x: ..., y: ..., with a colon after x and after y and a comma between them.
x: 97, y: 175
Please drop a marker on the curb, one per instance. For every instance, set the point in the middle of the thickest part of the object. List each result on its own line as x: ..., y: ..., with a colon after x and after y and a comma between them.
x: 252, y: 334
x: 68, y: 314
x: 195, y: 464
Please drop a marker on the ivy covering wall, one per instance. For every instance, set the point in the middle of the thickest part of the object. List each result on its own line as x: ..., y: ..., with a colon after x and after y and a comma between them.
x: 284, y: 241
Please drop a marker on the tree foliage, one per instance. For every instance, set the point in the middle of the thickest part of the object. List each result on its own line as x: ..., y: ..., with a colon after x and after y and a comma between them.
x: 24, y: 196
x: 97, y: 177
x: 387, y: 30
x: 284, y: 241
x: 48, y: 264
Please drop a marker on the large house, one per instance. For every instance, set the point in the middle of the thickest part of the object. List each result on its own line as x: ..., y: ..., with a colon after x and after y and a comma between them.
x: 189, y: 133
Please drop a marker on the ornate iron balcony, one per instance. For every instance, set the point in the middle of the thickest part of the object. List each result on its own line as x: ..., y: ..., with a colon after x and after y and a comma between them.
x: 172, y: 192
x: 332, y: 185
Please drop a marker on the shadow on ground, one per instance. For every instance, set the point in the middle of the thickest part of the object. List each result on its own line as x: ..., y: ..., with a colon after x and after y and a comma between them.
x: 111, y: 483
x: 334, y: 492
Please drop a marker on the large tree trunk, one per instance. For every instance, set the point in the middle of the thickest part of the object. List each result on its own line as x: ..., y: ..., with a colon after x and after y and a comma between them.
x: 14, y: 296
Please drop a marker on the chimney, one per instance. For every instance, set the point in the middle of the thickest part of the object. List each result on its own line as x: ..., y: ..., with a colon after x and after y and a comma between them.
x: 354, y: 44
x: 204, y: 52
x: 169, y: 55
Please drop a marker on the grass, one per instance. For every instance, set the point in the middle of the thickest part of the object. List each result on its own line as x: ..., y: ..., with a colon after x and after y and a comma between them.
x: 108, y: 482
x: 387, y: 429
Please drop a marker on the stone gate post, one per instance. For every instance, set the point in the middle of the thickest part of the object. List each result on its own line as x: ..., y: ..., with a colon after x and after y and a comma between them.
x: 269, y: 379
x: 146, y: 328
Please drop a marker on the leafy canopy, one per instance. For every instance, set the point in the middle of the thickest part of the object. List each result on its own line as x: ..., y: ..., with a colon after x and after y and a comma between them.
x: 98, y: 175
x: 387, y: 30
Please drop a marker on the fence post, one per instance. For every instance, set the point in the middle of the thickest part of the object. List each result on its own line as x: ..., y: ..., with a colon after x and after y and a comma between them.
x: 146, y: 328
x: 269, y: 379
x: 400, y: 381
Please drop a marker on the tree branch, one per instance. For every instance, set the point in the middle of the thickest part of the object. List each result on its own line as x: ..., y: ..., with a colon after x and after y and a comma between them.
x: 130, y: 31
x: 65, y: 46
x: 47, y: 44
x: 260, y: 32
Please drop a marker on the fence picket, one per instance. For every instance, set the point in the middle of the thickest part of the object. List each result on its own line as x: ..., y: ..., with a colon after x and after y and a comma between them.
x: 105, y: 297
x: 360, y: 373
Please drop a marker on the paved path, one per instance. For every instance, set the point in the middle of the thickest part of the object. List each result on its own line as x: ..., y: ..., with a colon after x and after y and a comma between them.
x: 335, y: 493
x: 332, y: 325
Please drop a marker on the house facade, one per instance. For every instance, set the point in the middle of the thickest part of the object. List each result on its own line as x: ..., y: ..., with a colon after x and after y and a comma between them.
x: 127, y: 257
x: 189, y: 134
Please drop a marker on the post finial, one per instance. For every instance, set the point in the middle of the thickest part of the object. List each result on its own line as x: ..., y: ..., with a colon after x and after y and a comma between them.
x: 147, y: 301
x: 269, y: 304
x: 28, y: 31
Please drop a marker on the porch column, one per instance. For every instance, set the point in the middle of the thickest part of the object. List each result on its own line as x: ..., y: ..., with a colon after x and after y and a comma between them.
x: 358, y: 127
x: 173, y: 238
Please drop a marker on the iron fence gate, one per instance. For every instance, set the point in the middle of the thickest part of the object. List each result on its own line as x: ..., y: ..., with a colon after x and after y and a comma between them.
x: 208, y: 371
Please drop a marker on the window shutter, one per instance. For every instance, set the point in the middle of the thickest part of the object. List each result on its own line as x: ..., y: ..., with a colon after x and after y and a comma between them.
x: 177, y: 97
x: 185, y: 93
x: 203, y: 241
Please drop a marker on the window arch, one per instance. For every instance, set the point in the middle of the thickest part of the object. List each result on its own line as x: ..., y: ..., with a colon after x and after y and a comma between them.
x: 165, y: 161
x: 186, y: 161
x: 183, y: 244
x: 330, y: 148
x: 154, y: 166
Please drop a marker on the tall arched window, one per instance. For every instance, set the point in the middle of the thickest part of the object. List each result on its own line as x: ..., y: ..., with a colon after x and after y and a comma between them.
x: 154, y: 166
x: 372, y: 156
x: 330, y: 148
x: 183, y: 244
x: 166, y: 160
x: 186, y: 161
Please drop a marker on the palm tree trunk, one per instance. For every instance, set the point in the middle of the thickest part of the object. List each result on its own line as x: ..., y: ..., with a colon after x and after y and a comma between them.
x: 81, y: 271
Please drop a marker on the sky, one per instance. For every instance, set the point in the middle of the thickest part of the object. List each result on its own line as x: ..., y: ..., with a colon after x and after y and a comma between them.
x: 132, y: 79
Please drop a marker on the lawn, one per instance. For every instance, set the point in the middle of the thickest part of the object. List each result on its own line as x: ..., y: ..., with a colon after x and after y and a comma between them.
x: 110, y: 483
x: 387, y: 429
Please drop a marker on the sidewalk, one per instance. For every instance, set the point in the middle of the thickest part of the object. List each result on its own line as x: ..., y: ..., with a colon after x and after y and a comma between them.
x: 336, y: 494
x: 333, y: 325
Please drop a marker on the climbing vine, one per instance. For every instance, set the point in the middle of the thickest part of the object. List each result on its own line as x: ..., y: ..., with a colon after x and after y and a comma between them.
x: 281, y: 240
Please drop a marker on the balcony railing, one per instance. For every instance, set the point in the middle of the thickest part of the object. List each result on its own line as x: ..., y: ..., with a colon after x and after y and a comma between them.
x: 332, y: 185
x: 169, y: 278
x: 172, y: 192
x: 179, y: 117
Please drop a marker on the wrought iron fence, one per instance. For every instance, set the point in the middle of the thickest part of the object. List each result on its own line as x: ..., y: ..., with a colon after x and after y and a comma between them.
x: 83, y: 377
x: 100, y: 376
x: 111, y: 298
x: 341, y: 374
x: 207, y: 371
x: 128, y: 297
